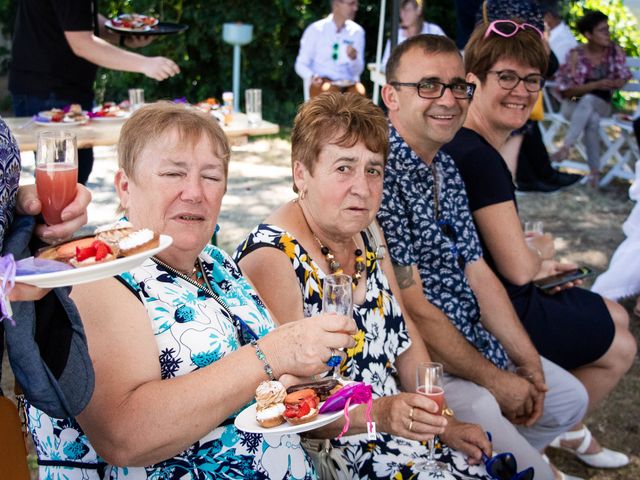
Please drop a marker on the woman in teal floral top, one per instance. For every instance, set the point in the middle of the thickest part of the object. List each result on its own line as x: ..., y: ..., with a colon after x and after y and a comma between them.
x: 173, y: 342
x: 339, y: 143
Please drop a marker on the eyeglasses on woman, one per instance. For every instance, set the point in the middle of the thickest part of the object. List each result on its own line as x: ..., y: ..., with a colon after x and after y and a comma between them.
x: 509, y: 80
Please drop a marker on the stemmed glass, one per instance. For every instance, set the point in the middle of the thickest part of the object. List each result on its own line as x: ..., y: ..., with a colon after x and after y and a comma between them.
x: 337, y: 298
x: 429, y: 383
x: 56, y: 172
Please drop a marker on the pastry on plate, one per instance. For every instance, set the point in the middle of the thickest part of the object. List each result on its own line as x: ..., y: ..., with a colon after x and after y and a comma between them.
x: 269, y: 404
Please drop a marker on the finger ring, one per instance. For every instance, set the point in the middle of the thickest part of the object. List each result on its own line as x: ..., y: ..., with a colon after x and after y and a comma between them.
x: 411, y: 414
x: 334, y: 360
x: 410, y: 425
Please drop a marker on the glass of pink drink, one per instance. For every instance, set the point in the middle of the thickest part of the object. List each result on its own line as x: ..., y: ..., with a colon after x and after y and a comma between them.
x: 56, y: 172
x: 429, y: 383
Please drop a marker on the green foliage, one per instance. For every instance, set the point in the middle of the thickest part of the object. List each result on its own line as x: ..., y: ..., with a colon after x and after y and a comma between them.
x: 206, y: 61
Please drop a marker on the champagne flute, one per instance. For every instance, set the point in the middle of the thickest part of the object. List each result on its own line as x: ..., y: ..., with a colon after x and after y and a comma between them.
x: 56, y: 172
x: 337, y: 298
x: 429, y: 383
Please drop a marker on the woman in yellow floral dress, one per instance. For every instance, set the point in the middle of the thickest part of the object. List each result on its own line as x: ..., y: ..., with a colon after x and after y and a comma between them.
x: 339, y: 145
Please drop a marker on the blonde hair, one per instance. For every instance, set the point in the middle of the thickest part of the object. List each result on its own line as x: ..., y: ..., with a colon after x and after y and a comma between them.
x: 349, y: 117
x: 151, y: 122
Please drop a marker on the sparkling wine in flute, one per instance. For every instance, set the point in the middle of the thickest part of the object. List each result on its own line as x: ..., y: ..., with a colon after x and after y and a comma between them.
x: 56, y: 173
x: 429, y: 383
x: 434, y: 393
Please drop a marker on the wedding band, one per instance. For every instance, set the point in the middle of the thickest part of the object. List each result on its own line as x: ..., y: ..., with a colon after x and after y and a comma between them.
x: 410, y: 425
x: 411, y: 414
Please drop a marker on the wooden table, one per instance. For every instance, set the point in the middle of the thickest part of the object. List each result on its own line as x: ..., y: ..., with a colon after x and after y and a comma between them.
x: 97, y: 134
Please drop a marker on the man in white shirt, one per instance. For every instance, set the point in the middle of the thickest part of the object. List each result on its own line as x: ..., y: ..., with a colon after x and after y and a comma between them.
x: 331, y: 55
x: 561, y: 38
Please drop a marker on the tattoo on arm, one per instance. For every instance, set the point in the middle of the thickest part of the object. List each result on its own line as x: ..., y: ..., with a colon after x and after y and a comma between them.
x: 404, y: 275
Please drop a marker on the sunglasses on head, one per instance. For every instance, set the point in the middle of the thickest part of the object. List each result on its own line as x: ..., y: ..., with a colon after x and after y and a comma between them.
x: 503, y: 466
x: 508, y: 28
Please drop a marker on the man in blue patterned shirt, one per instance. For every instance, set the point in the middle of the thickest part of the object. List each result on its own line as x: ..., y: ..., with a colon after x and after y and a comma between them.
x: 460, y: 307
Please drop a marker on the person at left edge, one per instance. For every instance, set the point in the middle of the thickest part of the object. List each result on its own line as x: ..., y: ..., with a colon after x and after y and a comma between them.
x: 57, y: 48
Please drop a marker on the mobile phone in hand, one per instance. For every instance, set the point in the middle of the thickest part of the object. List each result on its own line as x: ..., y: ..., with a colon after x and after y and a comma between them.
x: 552, y: 281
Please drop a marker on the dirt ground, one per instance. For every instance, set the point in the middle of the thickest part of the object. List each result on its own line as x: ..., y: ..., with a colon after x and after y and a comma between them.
x: 585, y: 222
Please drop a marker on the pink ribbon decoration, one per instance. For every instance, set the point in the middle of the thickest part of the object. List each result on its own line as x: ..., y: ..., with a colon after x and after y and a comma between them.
x: 356, y: 393
x: 8, y: 273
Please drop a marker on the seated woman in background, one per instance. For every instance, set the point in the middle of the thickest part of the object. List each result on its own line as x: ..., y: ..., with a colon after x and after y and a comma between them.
x: 575, y: 328
x: 171, y: 339
x: 411, y: 24
x: 339, y: 146
x: 587, y: 81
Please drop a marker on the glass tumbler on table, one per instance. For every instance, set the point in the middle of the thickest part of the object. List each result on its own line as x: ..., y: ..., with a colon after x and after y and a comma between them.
x: 429, y: 383
x: 253, y: 106
x: 136, y: 98
x: 533, y: 228
x: 337, y: 297
x: 56, y: 172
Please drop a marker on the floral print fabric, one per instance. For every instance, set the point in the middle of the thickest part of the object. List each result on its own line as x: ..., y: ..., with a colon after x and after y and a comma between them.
x: 10, y: 178
x: 577, y: 70
x: 192, y: 331
x: 415, y: 237
x: 382, y: 336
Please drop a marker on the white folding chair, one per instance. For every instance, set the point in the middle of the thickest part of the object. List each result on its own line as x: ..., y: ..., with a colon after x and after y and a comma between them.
x: 555, y: 123
x: 618, y: 136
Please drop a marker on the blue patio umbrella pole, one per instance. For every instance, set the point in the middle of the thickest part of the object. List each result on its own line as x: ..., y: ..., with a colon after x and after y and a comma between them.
x: 237, y: 34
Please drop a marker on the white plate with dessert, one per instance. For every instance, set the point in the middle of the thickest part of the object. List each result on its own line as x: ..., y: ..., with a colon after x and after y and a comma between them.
x: 112, y: 250
x: 109, y: 113
x: 277, y: 411
x: 246, y: 421
x: 131, y: 22
x: 57, y: 117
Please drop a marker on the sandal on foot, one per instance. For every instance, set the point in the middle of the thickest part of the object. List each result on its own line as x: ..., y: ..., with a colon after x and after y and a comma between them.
x: 604, y: 459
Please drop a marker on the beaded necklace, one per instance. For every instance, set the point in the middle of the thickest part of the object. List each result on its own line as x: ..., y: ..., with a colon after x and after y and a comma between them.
x: 334, y: 265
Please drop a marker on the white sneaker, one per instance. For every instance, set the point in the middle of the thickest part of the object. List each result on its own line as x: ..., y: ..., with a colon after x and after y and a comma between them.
x: 604, y: 459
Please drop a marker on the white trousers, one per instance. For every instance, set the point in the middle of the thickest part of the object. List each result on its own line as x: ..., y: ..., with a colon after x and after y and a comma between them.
x: 565, y: 404
x: 585, y: 115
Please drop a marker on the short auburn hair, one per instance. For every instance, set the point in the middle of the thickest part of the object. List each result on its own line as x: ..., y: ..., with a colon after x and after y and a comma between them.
x: 481, y: 54
x: 343, y: 119
x: 152, y: 121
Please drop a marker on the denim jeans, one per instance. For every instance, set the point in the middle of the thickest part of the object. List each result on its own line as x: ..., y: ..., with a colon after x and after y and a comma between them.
x: 28, y: 105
